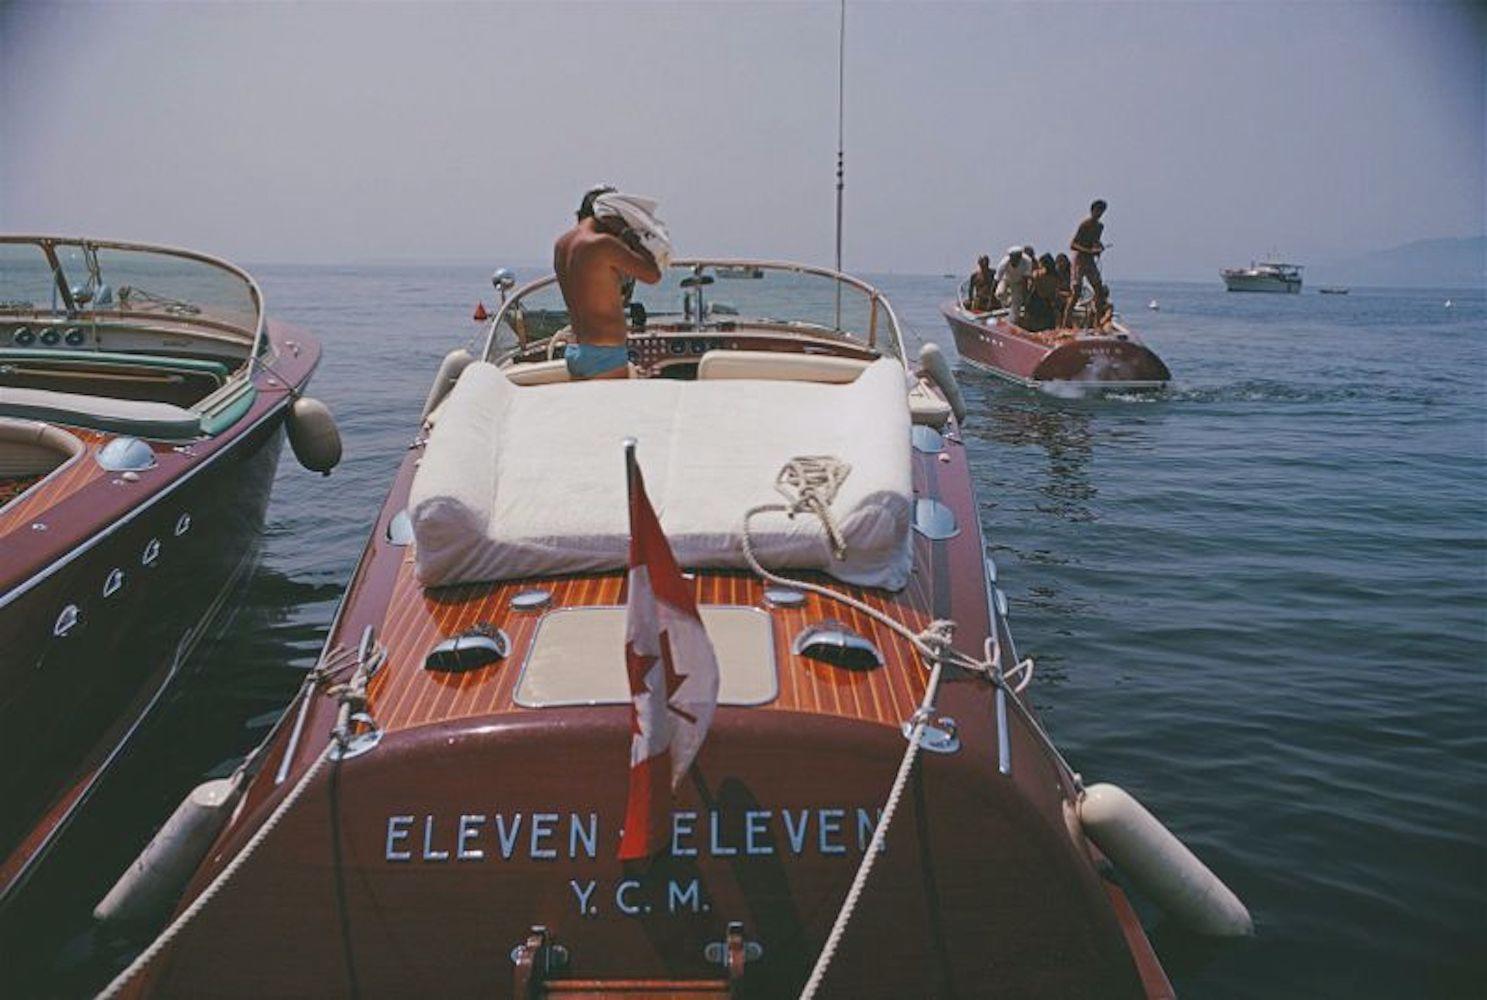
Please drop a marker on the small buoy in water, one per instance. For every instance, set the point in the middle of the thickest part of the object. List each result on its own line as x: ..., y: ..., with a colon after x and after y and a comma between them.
x: 1448, y: 303
x: 313, y: 435
x: 450, y: 369
x: 1159, y: 865
x: 149, y: 888
x: 480, y: 314
x: 1153, y: 304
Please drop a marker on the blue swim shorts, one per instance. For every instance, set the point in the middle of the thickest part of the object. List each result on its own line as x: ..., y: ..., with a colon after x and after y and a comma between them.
x: 591, y: 360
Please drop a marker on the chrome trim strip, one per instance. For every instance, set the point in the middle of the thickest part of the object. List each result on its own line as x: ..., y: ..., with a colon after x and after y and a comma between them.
x: 119, y: 522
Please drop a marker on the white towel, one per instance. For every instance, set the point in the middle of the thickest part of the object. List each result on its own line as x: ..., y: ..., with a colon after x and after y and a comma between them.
x: 639, y: 213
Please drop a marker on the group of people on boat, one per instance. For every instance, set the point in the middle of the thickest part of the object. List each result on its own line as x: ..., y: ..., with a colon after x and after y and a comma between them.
x: 1041, y: 292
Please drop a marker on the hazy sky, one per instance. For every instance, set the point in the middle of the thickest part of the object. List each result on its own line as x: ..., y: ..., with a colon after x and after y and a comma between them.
x: 345, y: 132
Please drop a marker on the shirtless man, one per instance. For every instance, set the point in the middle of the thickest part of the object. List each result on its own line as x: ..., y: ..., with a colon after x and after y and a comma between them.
x: 593, y: 260
x: 982, y: 287
x: 1087, y: 248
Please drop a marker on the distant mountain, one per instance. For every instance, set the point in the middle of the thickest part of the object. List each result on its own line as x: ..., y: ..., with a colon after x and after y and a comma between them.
x: 1448, y: 263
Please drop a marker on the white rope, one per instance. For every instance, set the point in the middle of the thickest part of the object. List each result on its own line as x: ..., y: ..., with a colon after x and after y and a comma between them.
x: 190, y: 913
x: 880, y: 834
x: 810, y: 483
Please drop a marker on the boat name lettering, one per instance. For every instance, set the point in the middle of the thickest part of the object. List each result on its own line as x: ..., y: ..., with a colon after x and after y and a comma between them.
x: 433, y: 838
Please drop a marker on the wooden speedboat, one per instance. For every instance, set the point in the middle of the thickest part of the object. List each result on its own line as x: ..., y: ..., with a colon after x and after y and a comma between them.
x: 142, y: 403
x: 440, y: 807
x: 1110, y: 357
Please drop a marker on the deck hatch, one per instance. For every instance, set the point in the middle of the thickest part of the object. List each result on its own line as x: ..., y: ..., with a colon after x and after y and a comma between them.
x: 577, y: 657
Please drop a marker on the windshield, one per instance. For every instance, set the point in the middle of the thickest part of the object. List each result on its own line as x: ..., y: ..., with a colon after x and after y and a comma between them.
x: 122, y: 280
x: 738, y: 293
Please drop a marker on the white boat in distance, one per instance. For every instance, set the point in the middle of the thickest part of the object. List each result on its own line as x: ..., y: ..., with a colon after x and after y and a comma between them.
x: 1267, y: 276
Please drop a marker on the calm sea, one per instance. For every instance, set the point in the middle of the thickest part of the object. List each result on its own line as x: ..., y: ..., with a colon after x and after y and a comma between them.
x: 1257, y: 600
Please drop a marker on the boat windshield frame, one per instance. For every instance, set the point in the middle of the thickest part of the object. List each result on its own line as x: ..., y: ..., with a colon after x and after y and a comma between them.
x: 874, y: 339
x: 66, y: 306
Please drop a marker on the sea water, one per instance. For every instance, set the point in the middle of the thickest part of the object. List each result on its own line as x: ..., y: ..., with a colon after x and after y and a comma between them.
x: 1255, y: 600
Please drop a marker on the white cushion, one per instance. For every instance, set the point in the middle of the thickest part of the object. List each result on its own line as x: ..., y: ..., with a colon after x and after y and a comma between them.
x: 781, y: 365
x: 529, y: 481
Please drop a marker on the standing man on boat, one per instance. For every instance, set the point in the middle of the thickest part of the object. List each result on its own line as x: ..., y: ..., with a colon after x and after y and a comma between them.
x: 616, y: 239
x: 1012, y: 274
x: 1087, y: 248
x: 981, y: 288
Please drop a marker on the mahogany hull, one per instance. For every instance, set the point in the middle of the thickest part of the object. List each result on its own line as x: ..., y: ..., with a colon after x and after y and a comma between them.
x: 1000, y: 348
x: 147, y: 566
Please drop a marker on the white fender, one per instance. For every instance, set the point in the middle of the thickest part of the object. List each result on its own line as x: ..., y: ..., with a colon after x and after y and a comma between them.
x: 932, y: 359
x: 151, y: 885
x: 1158, y: 864
x: 313, y: 435
x: 450, y: 369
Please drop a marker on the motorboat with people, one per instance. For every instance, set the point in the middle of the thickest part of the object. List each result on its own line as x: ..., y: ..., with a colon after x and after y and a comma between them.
x: 143, y: 402
x: 1264, y: 276
x: 875, y: 809
x: 1089, y: 353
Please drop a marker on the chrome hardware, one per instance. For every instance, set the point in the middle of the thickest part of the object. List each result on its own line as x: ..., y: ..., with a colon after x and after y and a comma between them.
x: 126, y: 454
x: 74, y: 337
x: 531, y: 600
x: 503, y: 280
x: 926, y: 439
x: 400, y: 529
x: 23, y: 337
x: 733, y: 951
x: 38, y: 526
x: 66, y: 621
x: 535, y: 959
x: 479, y: 647
x: 50, y: 337
x: 114, y: 581
x: 360, y: 743
x: 783, y: 597
x: 183, y: 524
x: 834, y: 643
x: 939, y: 735
x: 151, y: 553
x: 934, y: 520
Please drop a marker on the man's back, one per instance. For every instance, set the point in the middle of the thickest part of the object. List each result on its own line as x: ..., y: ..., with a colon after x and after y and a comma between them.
x: 590, y: 265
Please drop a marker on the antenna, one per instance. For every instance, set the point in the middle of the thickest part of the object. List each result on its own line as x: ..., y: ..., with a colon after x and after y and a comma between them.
x: 841, y: 90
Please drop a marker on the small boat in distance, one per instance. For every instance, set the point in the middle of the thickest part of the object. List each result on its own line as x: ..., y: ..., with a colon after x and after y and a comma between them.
x: 1082, y: 357
x: 143, y: 400
x: 443, y: 802
x: 1265, y: 276
x: 1332, y: 290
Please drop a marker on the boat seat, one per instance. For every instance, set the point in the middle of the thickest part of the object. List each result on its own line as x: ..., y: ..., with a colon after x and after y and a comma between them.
x: 123, y: 416
x: 519, y: 482
x: 538, y: 372
x: 780, y: 365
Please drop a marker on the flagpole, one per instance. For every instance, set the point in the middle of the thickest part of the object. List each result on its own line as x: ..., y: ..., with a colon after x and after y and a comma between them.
x: 630, y: 466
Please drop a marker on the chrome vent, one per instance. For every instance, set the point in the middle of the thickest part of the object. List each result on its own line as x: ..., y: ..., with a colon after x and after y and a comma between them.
x: 934, y: 520
x: 126, y: 454
x: 834, y: 643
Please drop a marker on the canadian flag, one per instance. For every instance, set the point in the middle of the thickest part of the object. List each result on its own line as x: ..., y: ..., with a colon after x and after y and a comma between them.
x: 673, y: 675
